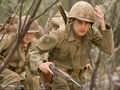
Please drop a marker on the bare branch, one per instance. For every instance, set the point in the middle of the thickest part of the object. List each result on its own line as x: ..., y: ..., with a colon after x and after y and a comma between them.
x: 9, y: 25
x: 116, y: 85
x: 93, y: 77
x: 0, y: 1
x: 9, y: 16
x: 27, y: 15
x: 116, y: 49
x: 20, y: 15
x: 45, y: 10
x: 20, y: 38
x: 10, y: 8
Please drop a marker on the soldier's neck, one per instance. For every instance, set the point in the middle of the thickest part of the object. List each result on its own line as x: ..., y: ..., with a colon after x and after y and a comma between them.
x: 25, y: 45
x: 78, y: 38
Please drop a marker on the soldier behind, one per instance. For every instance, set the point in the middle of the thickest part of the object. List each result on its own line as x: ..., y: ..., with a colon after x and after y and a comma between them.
x: 14, y: 73
x: 13, y: 24
x: 69, y: 49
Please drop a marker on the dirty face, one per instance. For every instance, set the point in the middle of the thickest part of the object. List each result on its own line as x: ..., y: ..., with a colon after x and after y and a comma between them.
x: 28, y: 37
x: 80, y: 27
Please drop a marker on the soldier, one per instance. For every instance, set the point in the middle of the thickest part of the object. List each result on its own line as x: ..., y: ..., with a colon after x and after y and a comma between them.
x: 12, y: 76
x: 69, y: 49
x: 13, y: 20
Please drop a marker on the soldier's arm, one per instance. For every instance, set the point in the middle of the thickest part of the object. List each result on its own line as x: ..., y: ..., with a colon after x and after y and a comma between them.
x: 103, y: 39
x: 44, y: 44
x: 36, y: 59
x: 5, y: 43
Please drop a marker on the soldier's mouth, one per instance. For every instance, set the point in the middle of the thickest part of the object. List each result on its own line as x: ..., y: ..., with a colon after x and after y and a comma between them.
x: 82, y: 31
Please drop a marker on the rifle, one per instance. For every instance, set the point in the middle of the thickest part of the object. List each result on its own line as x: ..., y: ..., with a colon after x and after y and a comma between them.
x: 64, y: 16
x: 63, y: 74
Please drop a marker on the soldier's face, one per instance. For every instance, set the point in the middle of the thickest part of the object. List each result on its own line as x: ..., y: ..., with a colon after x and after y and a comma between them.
x: 28, y: 37
x: 80, y: 27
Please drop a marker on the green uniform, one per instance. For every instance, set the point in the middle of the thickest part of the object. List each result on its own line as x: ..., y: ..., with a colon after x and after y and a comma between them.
x: 15, y: 70
x: 67, y: 53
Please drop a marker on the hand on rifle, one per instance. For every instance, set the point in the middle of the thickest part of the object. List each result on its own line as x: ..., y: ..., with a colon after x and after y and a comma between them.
x: 44, y: 67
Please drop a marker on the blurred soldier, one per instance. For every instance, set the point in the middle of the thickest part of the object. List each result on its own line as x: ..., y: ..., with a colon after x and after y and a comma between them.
x: 40, y: 33
x: 11, y: 25
x: 69, y: 49
x: 14, y: 73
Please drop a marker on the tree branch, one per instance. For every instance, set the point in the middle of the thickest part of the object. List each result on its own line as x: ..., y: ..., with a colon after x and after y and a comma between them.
x: 27, y: 15
x: 9, y: 25
x: 9, y: 16
x: 93, y: 77
x: 45, y: 10
x: 20, y: 38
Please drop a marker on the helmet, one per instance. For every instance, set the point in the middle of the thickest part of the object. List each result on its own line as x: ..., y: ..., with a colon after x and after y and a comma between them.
x: 34, y: 27
x: 83, y: 11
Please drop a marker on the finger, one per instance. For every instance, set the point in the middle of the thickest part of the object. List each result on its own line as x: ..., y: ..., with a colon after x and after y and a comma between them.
x: 50, y: 63
x: 50, y: 71
x: 98, y: 15
x: 97, y: 10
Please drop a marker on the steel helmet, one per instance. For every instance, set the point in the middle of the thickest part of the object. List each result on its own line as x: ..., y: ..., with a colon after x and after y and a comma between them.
x: 83, y: 11
x: 34, y: 27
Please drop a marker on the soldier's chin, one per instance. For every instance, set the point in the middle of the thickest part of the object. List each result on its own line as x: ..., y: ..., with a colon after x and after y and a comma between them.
x: 81, y: 34
x: 27, y: 41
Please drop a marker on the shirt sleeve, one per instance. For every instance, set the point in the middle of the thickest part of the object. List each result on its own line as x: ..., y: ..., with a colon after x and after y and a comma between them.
x: 39, y: 51
x: 103, y: 39
x: 36, y: 58
x: 48, y: 41
x: 5, y: 43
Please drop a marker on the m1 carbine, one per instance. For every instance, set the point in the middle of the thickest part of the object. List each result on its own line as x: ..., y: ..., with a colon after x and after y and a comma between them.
x: 63, y: 74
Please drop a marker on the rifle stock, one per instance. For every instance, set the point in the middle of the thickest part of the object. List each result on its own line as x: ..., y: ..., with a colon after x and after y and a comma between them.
x: 63, y: 74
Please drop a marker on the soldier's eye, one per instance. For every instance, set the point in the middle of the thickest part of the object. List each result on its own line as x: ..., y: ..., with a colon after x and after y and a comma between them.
x: 87, y: 23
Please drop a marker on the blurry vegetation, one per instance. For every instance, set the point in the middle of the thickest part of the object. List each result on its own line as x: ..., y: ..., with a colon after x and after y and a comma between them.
x: 7, y: 5
x: 109, y: 65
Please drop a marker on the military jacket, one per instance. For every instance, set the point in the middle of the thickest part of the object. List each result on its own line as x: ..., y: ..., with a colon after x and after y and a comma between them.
x: 71, y: 54
x: 19, y: 57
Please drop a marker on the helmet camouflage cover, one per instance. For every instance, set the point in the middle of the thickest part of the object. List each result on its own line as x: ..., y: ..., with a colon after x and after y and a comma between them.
x: 34, y: 27
x: 83, y: 11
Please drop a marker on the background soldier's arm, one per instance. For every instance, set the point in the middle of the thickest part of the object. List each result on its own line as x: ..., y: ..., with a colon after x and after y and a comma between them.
x: 4, y: 46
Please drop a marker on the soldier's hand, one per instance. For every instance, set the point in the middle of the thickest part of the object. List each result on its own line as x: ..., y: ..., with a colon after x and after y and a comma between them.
x: 44, y: 67
x: 100, y: 16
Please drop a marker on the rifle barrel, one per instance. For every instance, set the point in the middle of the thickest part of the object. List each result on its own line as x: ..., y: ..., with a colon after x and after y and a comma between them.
x: 76, y: 83
x: 63, y: 74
